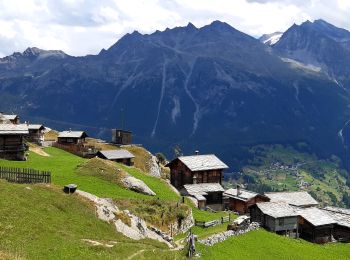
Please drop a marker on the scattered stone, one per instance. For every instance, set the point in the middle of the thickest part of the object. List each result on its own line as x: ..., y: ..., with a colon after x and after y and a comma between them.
x: 220, y: 237
x: 137, y: 185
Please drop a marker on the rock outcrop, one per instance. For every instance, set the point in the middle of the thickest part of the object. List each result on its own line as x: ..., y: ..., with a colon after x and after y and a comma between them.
x: 137, y: 185
x: 136, y: 229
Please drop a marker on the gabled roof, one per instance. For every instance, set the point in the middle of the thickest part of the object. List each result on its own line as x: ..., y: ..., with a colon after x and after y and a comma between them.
x: 117, y: 154
x: 277, y: 209
x: 298, y: 198
x: 12, y: 129
x: 316, y: 216
x: 200, y: 189
x: 202, y: 162
x: 244, y: 195
x: 72, y: 134
x: 10, y: 117
x: 35, y: 127
x: 340, y: 215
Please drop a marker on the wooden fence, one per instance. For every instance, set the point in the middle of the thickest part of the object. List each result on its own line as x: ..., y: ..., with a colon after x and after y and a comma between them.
x: 24, y: 175
x: 213, y: 222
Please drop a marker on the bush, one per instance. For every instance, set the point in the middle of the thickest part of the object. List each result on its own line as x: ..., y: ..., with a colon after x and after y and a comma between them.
x: 161, y: 158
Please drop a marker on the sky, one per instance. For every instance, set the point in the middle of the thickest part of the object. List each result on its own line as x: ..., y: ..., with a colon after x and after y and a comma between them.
x: 81, y: 27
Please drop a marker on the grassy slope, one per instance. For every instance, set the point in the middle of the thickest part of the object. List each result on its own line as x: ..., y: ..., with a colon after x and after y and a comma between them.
x: 261, y: 244
x: 45, y: 223
x: 63, y: 166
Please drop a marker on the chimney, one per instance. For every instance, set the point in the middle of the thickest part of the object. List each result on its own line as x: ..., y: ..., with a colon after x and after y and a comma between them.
x: 70, y: 129
x: 238, y: 189
x: 196, y: 152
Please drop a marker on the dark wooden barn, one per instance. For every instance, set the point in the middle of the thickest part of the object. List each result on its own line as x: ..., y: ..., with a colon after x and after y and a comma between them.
x: 121, y: 137
x: 196, y: 169
x: 341, y: 229
x: 71, y: 137
x: 120, y: 156
x: 36, y: 133
x: 239, y: 200
x: 12, y: 142
x: 315, y: 225
x: 277, y: 217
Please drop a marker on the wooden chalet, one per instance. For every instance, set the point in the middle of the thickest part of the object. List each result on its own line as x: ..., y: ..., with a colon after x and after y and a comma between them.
x: 12, y: 143
x: 121, y: 137
x: 300, y: 199
x: 120, y: 156
x: 239, y: 200
x: 277, y: 217
x: 315, y: 225
x: 36, y: 133
x: 71, y: 137
x: 206, y: 194
x: 13, y: 119
x: 341, y: 228
x: 195, y: 169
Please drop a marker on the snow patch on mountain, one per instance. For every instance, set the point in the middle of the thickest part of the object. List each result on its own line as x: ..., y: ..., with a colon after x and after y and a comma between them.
x: 271, y: 39
x: 176, y: 111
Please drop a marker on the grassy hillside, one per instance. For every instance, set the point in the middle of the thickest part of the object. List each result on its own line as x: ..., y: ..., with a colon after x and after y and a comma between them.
x: 261, y: 244
x: 65, y: 169
x: 278, y: 168
x: 41, y: 222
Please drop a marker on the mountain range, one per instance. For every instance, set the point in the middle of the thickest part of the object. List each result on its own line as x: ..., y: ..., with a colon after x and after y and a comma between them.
x: 213, y: 89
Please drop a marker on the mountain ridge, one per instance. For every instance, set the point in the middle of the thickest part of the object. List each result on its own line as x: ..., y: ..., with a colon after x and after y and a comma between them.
x: 212, y: 88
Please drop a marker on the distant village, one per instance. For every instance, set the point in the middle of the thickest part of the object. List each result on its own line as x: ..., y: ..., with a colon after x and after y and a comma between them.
x: 199, y: 177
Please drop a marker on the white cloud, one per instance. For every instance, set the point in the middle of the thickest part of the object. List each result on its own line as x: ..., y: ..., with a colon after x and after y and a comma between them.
x: 81, y: 27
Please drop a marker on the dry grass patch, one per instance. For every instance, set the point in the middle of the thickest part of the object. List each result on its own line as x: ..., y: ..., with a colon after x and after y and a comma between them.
x: 104, y: 169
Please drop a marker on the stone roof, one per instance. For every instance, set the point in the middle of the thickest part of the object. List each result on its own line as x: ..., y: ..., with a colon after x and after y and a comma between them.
x: 200, y: 189
x: 298, y: 198
x: 35, y: 126
x: 10, y: 117
x: 315, y: 216
x: 340, y: 215
x: 203, y: 162
x: 72, y: 134
x: 117, y: 154
x: 12, y: 129
x: 244, y: 195
x: 277, y: 209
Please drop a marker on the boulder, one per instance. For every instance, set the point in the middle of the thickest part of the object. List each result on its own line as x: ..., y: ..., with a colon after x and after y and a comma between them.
x: 137, y: 185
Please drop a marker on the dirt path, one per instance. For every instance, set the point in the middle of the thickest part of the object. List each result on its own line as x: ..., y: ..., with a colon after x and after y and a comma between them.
x: 136, y: 254
x: 38, y: 150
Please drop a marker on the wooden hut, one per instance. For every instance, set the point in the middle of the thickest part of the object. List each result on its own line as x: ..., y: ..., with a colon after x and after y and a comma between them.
x: 120, y: 156
x: 239, y: 200
x: 13, y: 119
x: 12, y: 143
x: 121, y: 137
x: 207, y: 194
x: 36, y: 133
x: 295, y: 198
x: 277, y: 217
x: 315, y: 225
x: 71, y: 137
x: 341, y: 228
x: 195, y: 169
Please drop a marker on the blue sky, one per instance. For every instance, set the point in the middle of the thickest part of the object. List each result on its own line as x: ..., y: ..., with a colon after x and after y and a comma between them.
x: 81, y: 27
